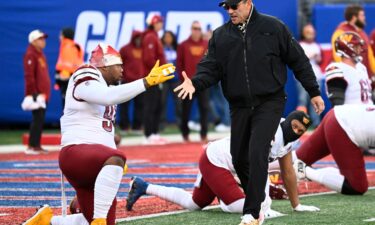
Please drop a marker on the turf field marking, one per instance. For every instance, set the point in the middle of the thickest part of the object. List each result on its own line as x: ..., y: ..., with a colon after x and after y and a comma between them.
x: 369, y: 220
x: 215, y: 207
x: 4, y: 214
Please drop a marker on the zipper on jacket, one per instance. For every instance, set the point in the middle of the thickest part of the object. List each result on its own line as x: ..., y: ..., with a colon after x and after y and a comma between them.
x: 246, y: 73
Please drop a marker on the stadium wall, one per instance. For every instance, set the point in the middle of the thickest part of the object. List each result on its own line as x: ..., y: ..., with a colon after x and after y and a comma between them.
x: 111, y: 21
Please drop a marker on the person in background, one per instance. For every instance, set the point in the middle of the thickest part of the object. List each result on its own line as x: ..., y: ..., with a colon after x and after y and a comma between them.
x: 347, y: 81
x: 313, y: 52
x: 355, y: 21
x: 70, y: 58
x: 131, y: 54
x: 372, y: 41
x: 152, y: 50
x: 37, y: 85
x: 169, y: 41
x: 189, y: 54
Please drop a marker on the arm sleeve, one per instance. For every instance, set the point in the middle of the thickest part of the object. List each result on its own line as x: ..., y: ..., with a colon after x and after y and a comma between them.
x: 98, y: 93
x: 29, y: 63
x: 336, y: 91
x: 208, y: 69
x: 296, y: 59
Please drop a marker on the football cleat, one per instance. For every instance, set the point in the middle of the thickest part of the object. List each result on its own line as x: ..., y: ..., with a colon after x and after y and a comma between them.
x: 248, y: 219
x: 138, y: 188
x: 300, y: 169
x: 99, y: 221
x: 42, y: 216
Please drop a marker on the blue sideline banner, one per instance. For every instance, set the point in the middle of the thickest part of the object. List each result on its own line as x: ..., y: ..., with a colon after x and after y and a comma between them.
x: 110, y: 21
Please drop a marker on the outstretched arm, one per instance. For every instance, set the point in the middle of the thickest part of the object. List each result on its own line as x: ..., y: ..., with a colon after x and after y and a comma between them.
x: 290, y: 181
x: 186, y: 88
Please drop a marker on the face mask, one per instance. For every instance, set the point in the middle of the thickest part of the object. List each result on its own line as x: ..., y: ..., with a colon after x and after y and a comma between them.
x: 286, y: 126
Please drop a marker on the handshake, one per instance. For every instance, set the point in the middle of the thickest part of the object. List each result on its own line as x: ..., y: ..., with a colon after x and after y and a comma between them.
x: 159, y: 74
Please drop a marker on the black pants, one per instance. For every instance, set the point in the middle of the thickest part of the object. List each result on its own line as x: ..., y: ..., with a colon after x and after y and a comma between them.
x: 252, y: 131
x: 168, y: 88
x: 203, y: 101
x: 36, y: 127
x: 63, y: 84
x: 152, y: 109
x: 137, y: 114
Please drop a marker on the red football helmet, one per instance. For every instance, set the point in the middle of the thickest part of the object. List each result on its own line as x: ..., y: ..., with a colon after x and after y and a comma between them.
x: 350, y: 45
x: 104, y: 55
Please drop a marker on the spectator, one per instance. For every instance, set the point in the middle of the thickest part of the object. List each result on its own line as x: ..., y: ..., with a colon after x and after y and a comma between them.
x: 169, y: 41
x: 372, y: 41
x: 313, y: 52
x: 131, y: 54
x: 152, y: 50
x: 220, y: 107
x: 355, y: 20
x: 189, y: 53
x: 70, y: 57
x: 38, y: 85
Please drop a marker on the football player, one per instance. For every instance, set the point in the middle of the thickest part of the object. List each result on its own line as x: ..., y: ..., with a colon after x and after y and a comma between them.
x: 89, y: 159
x: 345, y: 132
x: 217, y: 177
x: 347, y: 81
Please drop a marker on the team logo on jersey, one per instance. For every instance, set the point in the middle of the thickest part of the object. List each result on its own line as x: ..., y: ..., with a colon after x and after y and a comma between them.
x: 305, y: 120
x: 346, y: 37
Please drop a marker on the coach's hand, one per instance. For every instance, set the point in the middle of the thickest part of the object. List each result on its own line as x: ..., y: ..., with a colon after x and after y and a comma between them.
x: 318, y: 104
x: 186, y: 88
x: 160, y: 74
x: 306, y: 208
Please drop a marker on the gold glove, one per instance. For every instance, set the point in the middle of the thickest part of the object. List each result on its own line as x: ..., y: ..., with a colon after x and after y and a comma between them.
x: 160, y: 74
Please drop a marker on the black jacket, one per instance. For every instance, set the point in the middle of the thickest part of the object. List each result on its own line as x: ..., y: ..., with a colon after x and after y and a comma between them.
x: 252, y: 68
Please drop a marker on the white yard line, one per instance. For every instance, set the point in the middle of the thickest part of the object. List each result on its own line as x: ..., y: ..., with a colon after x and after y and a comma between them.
x: 126, y: 141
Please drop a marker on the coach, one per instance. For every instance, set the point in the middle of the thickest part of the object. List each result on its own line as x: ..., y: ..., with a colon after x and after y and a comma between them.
x: 249, y: 55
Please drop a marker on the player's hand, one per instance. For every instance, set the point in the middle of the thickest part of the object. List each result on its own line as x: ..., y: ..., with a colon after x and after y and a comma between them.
x: 318, y: 104
x: 160, y: 74
x: 186, y: 88
x: 306, y: 208
x: 272, y: 213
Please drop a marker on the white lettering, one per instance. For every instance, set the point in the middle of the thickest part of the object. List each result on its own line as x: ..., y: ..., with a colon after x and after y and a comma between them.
x: 93, y: 27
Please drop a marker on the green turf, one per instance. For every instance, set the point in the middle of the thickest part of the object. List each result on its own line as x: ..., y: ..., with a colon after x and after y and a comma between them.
x: 11, y: 136
x: 335, y: 209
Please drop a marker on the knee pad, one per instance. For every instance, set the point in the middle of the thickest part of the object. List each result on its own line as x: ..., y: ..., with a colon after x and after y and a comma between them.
x: 347, y: 189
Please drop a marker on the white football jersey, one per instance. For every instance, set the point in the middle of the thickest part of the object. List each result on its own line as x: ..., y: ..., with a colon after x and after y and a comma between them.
x: 358, y: 122
x: 83, y: 122
x: 358, y: 90
x: 218, y: 152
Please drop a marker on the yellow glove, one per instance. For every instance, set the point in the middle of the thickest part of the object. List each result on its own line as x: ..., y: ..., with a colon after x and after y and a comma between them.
x: 160, y: 74
x: 125, y: 169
